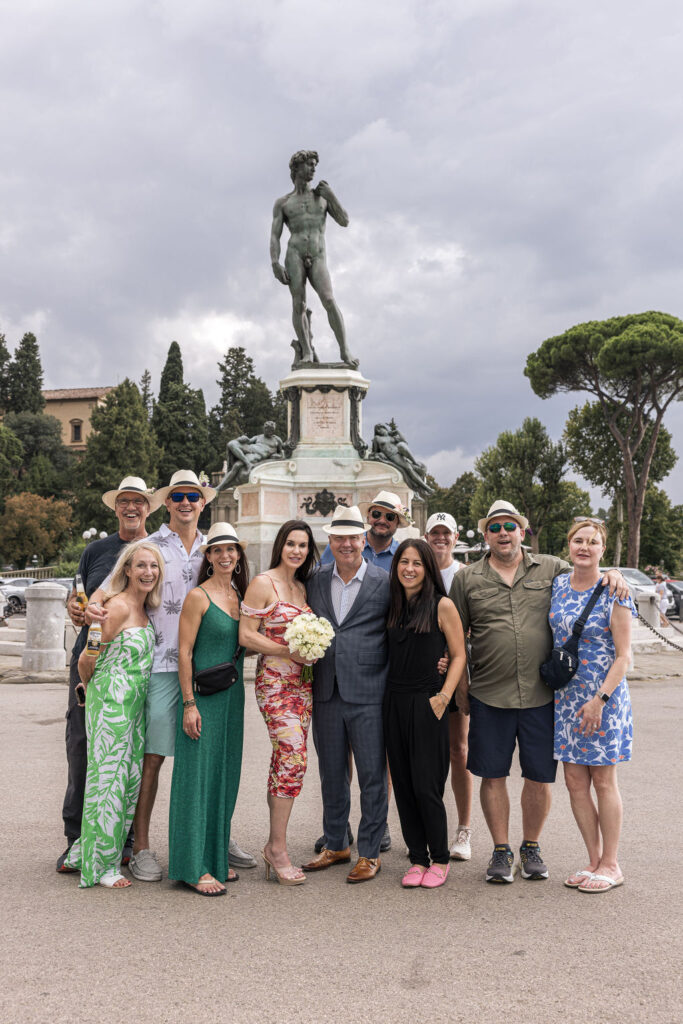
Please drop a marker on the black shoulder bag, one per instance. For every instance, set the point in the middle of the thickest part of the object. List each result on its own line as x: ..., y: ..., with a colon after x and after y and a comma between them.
x: 218, y: 677
x: 561, y: 666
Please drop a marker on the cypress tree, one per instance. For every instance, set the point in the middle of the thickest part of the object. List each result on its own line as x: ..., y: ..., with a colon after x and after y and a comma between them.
x: 26, y: 377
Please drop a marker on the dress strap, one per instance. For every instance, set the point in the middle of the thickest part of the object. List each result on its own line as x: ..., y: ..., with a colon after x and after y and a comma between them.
x: 206, y: 592
x: 272, y: 583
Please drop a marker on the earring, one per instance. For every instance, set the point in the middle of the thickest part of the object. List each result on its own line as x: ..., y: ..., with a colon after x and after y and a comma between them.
x: 209, y: 571
x: 238, y: 569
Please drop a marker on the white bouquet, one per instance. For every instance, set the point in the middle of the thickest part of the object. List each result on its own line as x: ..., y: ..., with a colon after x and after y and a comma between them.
x: 309, y: 636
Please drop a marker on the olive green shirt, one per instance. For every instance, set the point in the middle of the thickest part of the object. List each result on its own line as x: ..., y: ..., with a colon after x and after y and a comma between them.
x: 509, y: 632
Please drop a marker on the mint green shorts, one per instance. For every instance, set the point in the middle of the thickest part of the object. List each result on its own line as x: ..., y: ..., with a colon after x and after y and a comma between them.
x: 161, y: 711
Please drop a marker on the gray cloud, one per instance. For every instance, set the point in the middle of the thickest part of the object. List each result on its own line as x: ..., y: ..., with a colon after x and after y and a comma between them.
x: 510, y: 168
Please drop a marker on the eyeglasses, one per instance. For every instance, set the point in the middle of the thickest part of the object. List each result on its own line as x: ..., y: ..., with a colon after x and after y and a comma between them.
x: 589, y: 519
x: 137, y: 502
x: 377, y: 514
x: 179, y: 496
x: 497, y: 527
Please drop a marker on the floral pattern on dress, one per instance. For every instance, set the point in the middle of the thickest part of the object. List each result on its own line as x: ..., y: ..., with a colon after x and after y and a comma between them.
x: 283, y: 699
x: 612, y: 743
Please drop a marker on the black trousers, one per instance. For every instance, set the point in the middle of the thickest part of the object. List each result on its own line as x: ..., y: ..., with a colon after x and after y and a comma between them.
x: 76, y: 759
x: 419, y: 759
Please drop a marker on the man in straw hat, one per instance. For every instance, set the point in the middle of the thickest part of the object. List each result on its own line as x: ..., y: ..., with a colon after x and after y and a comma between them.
x: 180, y: 543
x: 348, y: 687
x: 385, y: 514
x: 504, y: 600
x: 131, y: 502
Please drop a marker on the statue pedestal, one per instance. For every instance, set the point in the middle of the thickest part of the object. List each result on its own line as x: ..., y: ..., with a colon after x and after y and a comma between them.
x: 325, y: 464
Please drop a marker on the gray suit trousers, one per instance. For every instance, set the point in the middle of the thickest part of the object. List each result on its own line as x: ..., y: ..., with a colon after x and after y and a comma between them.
x: 337, y: 725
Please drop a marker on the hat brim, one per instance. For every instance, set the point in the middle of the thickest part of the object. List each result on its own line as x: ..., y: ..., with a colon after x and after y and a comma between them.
x: 208, y: 493
x: 109, y: 498
x: 346, y: 531
x: 522, y: 521
x: 365, y: 507
x: 224, y: 540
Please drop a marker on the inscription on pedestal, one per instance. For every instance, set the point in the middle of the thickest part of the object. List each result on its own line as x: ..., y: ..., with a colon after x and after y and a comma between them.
x: 323, y: 416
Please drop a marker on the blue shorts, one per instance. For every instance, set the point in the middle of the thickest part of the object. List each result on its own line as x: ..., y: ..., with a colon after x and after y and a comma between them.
x: 494, y: 732
x: 161, y: 711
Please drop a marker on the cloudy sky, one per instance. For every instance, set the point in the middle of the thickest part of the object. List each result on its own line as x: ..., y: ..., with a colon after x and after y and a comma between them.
x: 510, y: 169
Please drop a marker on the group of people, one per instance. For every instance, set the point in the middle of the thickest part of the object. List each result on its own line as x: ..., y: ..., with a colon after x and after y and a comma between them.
x: 433, y: 667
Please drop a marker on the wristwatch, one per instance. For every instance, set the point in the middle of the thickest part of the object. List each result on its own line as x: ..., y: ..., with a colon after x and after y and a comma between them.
x: 604, y: 697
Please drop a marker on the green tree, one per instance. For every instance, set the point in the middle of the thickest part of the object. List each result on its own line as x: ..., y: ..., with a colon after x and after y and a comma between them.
x: 121, y: 444
x: 172, y: 372
x: 146, y: 393
x: 633, y: 366
x: 661, y: 532
x: 11, y: 458
x: 456, y: 499
x: 244, y: 405
x: 5, y: 360
x: 31, y: 525
x: 47, y: 465
x: 26, y: 377
x: 594, y: 453
x: 181, y: 429
x: 526, y: 467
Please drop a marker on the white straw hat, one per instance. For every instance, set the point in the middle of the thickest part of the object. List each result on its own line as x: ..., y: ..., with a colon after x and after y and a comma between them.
x: 222, y: 533
x: 503, y: 508
x: 387, y: 500
x: 346, y: 522
x: 185, y: 478
x: 131, y: 485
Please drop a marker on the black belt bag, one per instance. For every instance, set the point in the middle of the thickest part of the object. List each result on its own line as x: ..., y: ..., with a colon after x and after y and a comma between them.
x: 561, y: 666
x: 218, y: 677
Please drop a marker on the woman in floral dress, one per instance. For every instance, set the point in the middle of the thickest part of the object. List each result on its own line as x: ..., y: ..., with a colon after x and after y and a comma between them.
x: 273, y: 599
x: 116, y: 683
x: 593, y: 724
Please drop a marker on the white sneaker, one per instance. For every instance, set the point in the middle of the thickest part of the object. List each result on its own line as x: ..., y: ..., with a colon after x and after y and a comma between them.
x: 145, y: 867
x: 238, y: 858
x: 461, y: 850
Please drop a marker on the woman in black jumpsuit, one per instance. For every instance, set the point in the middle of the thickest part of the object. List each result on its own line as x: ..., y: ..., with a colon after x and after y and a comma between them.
x: 422, y: 623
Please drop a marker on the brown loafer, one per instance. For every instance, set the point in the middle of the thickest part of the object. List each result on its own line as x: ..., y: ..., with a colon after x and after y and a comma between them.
x: 364, y: 869
x: 326, y: 858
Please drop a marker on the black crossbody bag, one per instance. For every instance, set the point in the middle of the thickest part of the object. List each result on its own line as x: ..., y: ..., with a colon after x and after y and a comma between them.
x: 218, y: 677
x: 561, y: 666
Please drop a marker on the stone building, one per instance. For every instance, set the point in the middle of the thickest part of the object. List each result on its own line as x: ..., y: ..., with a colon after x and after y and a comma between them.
x: 73, y: 408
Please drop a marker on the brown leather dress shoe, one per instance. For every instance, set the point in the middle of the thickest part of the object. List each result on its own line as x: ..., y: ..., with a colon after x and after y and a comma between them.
x: 326, y: 858
x: 364, y: 869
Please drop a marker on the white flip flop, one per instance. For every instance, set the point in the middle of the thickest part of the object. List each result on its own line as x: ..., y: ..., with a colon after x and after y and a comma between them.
x: 612, y: 883
x: 577, y: 874
x: 110, y: 879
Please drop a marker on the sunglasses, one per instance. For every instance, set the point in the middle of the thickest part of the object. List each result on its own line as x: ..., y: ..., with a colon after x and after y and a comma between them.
x: 125, y: 502
x: 589, y: 519
x: 389, y: 516
x: 191, y: 496
x: 497, y: 527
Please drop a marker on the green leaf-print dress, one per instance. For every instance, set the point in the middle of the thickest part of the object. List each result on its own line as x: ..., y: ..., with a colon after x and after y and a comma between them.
x: 115, y: 726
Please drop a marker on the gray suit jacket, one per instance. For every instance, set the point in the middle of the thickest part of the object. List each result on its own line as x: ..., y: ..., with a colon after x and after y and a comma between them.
x: 357, y: 656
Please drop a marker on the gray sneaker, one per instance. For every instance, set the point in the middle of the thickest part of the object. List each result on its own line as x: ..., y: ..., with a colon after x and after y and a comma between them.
x: 531, y: 863
x: 501, y: 866
x: 237, y: 858
x: 144, y: 866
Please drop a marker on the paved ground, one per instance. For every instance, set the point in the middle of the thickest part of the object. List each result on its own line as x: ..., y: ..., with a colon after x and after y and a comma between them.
x: 330, y: 952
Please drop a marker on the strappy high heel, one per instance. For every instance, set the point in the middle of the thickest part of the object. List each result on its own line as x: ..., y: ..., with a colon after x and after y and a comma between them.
x: 281, y: 878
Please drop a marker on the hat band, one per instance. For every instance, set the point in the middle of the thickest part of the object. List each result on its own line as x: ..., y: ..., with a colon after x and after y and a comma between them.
x: 347, y: 522
x: 383, y: 504
x: 220, y: 540
x: 185, y: 483
x: 138, y: 490
x: 504, y: 512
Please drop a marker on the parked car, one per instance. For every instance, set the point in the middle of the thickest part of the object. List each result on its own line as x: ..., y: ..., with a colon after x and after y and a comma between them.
x: 64, y: 581
x: 639, y: 583
x: 676, y: 590
x: 13, y: 591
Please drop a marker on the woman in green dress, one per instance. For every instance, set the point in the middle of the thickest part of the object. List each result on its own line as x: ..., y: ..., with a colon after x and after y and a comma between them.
x: 208, y: 750
x: 116, y: 679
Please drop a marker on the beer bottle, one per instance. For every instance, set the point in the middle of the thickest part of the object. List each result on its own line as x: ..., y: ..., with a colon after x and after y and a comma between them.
x: 80, y: 591
x: 94, y: 641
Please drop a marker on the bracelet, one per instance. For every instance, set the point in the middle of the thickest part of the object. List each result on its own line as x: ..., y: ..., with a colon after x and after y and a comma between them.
x: 189, y: 703
x: 443, y: 695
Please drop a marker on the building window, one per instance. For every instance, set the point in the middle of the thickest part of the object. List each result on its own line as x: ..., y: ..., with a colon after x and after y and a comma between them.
x: 76, y: 431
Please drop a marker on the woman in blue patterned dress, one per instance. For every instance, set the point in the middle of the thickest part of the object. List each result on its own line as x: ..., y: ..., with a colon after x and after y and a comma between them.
x: 593, y: 725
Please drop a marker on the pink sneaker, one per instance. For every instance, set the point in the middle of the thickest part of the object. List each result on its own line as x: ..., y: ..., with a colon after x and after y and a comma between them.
x: 435, y: 876
x: 413, y: 877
